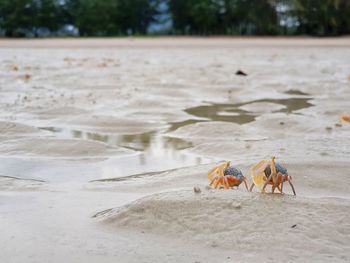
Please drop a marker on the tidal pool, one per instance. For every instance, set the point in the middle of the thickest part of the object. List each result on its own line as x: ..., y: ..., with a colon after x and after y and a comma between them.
x: 154, y: 151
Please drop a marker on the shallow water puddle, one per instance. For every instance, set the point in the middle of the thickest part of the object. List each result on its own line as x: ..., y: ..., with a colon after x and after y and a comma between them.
x: 153, y: 152
x: 237, y: 114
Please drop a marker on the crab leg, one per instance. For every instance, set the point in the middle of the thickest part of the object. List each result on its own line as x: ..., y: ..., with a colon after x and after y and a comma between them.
x: 245, y: 183
x: 279, y: 188
x: 218, y: 181
x: 273, y: 174
x: 211, y: 171
x: 273, y: 170
x: 273, y: 189
x: 215, y: 182
x: 275, y: 184
x: 282, y: 176
x: 212, y: 174
x: 266, y: 182
x: 225, y: 183
x: 212, y: 181
x: 291, y: 185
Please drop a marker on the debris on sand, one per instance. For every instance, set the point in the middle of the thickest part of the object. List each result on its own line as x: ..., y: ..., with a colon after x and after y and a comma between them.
x: 344, y: 118
x: 241, y: 73
x: 68, y: 59
x: 196, y: 189
x: 14, y: 67
x: 102, y: 65
x: 26, y: 77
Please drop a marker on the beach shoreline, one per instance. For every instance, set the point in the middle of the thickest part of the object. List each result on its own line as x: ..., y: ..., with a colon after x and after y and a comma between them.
x: 102, y: 141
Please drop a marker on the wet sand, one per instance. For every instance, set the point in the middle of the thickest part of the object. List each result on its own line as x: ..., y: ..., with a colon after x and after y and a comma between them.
x: 103, y: 140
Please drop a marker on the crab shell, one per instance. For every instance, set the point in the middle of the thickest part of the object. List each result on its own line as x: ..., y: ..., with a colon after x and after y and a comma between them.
x: 282, y: 171
x: 262, y: 170
x: 279, y: 169
x: 236, y: 175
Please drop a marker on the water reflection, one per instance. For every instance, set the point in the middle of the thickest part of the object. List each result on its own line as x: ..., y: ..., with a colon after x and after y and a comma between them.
x: 155, y: 152
x: 150, y: 141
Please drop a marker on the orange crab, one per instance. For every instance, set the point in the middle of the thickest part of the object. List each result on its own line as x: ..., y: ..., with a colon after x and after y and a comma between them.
x: 226, y: 176
x: 269, y: 172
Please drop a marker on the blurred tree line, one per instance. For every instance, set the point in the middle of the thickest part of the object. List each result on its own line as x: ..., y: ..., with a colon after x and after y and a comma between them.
x: 189, y: 17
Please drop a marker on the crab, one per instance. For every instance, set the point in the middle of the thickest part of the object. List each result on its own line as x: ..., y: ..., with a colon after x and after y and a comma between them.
x: 226, y: 176
x: 269, y: 172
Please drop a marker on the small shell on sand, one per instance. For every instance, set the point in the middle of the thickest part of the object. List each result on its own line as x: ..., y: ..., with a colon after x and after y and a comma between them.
x: 236, y: 205
x: 196, y: 189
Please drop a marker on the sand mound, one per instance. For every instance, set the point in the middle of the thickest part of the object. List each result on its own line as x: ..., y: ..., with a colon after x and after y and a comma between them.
x: 13, y: 128
x: 243, y: 222
x: 47, y: 147
x: 214, y: 131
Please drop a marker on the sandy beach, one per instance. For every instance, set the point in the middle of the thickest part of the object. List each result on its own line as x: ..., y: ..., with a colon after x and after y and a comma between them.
x: 103, y: 140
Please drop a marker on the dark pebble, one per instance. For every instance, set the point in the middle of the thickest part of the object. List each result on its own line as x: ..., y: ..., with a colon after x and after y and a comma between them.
x: 241, y: 73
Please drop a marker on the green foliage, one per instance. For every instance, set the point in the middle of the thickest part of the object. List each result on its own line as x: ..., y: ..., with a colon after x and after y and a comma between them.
x: 136, y: 15
x: 190, y: 17
x: 47, y: 14
x: 16, y: 14
x: 326, y: 17
x: 114, y: 17
x: 204, y: 16
x: 96, y: 17
x: 224, y: 16
x: 20, y: 16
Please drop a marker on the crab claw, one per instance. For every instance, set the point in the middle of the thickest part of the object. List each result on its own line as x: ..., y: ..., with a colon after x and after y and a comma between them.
x: 258, y: 174
x: 216, y: 174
